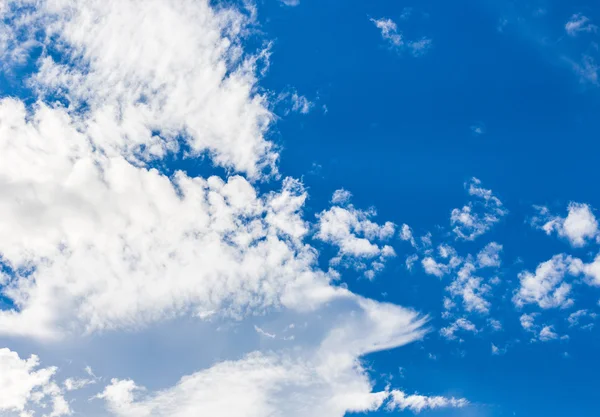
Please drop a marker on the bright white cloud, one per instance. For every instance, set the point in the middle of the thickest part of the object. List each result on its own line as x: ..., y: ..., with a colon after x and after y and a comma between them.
x: 489, y: 256
x: 327, y: 380
x: 527, y: 321
x: 181, y: 74
x: 93, y: 238
x: 592, y: 271
x: 406, y: 234
x: 547, y: 333
x: 357, y: 237
x: 578, y: 227
x: 477, y: 217
x: 417, y: 403
x: 546, y: 287
x: 389, y: 31
x: 432, y: 267
x: 471, y: 289
x: 25, y: 387
x: 460, y: 324
x: 341, y: 196
x: 579, y: 23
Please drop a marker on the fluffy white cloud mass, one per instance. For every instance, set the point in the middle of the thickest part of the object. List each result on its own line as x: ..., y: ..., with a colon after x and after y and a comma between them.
x: 578, y: 227
x: 25, y: 387
x: 358, y: 238
x: 101, y: 233
x: 546, y: 287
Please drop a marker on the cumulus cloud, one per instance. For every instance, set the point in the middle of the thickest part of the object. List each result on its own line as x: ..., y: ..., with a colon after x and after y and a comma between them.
x: 182, y: 79
x: 478, y: 216
x: 471, y: 289
x: 357, y: 237
x: 460, y: 324
x: 546, y: 286
x: 341, y: 196
x: 406, y: 234
x: 25, y: 387
x: 547, y: 333
x: 578, y: 227
x: 489, y: 256
x: 579, y: 23
x: 432, y: 267
x: 528, y: 321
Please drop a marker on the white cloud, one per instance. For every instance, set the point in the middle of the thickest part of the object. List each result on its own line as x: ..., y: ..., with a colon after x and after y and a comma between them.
x: 327, y: 381
x: 74, y: 384
x: 592, y: 271
x: 432, y: 267
x: 477, y: 217
x: 496, y: 325
x: 579, y: 23
x: 182, y: 73
x: 418, y: 403
x: 579, y: 227
x: 489, y: 256
x: 546, y: 287
x: 410, y: 261
x: 420, y: 47
x: 341, y: 196
x: 290, y: 2
x: 575, y: 318
x: 357, y: 237
x: 547, y: 333
x: 586, y: 69
x: 478, y: 129
x: 460, y: 324
x: 498, y: 351
x: 471, y: 289
x: 295, y: 102
x: 406, y: 234
x: 528, y: 321
x: 94, y: 237
x: 24, y: 387
x: 389, y: 31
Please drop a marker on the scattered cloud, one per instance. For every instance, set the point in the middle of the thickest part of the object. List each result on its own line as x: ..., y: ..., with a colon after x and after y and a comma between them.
x: 579, y: 23
x: 390, y: 33
x: 417, y: 403
x: 547, y: 333
x: 357, y: 237
x: 25, y: 387
x: 477, y: 217
x: 546, y: 287
x: 579, y: 227
x: 460, y: 324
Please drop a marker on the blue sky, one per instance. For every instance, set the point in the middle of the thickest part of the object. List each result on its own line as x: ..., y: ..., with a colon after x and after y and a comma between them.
x: 299, y: 208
